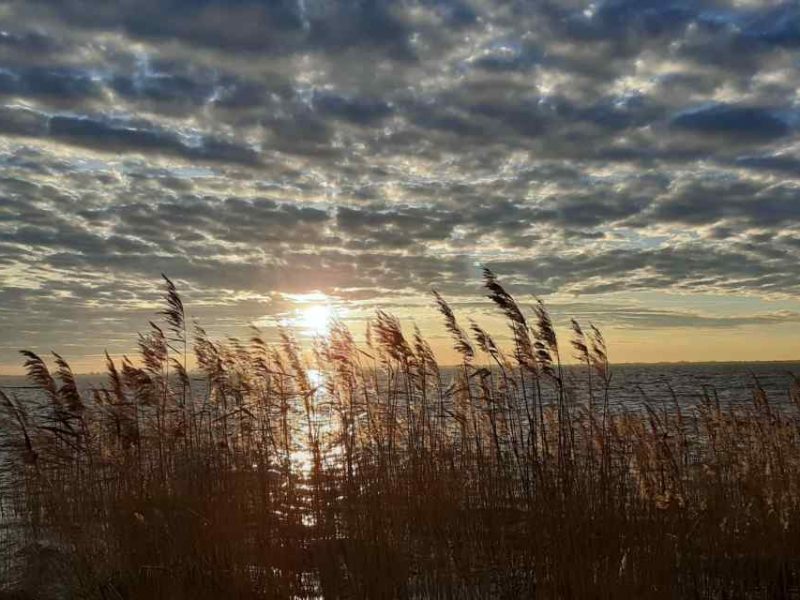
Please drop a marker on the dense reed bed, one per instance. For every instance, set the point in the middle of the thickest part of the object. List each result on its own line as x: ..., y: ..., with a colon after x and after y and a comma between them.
x: 367, y: 471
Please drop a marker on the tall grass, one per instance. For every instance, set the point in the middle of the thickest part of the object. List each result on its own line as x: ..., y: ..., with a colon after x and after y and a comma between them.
x: 368, y: 471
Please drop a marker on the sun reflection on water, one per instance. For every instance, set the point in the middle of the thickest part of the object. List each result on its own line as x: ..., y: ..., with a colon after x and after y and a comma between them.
x: 302, y: 456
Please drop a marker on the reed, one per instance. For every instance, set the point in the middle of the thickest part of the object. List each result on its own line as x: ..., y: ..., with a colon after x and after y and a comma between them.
x: 373, y: 472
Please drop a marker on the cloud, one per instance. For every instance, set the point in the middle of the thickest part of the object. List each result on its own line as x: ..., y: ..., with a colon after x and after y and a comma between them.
x: 377, y: 148
x: 244, y: 25
x: 735, y: 121
x: 64, y: 84
x: 776, y: 25
x: 121, y: 135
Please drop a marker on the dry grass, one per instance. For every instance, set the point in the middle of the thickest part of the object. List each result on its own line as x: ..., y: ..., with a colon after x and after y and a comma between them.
x: 366, y: 472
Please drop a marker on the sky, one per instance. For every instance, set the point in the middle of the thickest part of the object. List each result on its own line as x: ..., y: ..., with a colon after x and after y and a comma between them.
x: 636, y: 163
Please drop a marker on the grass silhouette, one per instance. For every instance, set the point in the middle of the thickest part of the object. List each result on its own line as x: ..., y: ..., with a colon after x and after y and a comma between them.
x: 367, y: 471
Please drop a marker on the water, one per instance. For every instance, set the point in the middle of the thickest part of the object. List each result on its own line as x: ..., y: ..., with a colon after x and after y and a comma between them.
x: 630, y: 384
x: 732, y: 383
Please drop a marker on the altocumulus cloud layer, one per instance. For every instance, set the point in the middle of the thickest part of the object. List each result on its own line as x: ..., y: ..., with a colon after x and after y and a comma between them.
x: 373, y: 149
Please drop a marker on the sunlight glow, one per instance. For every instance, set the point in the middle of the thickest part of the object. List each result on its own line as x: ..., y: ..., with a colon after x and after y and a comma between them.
x: 316, y: 319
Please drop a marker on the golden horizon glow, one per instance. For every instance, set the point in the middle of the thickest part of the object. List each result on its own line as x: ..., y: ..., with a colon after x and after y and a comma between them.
x: 626, y: 345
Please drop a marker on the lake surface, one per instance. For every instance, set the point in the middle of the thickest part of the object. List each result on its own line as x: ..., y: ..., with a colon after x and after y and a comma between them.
x: 733, y: 383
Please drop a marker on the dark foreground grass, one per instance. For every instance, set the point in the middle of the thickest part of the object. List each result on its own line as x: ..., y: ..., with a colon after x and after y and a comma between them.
x: 364, y: 472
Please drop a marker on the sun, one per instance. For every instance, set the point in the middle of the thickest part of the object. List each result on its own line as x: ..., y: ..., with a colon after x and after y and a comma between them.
x: 313, y: 314
x: 316, y: 319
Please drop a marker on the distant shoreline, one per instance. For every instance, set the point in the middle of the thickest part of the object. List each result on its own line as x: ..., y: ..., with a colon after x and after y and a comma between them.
x: 569, y: 365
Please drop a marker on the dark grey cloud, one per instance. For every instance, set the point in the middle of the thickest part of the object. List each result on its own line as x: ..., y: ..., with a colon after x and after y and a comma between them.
x: 163, y: 88
x: 356, y: 110
x: 736, y: 203
x: 61, y: 83
x: 736, y: 121
x: 123, y: 135
x: 776, y: 25
x: 29, y: 42
x: 692, y: 266
x: 245, y: 25
x: 22, y: 121
x: 144, y: 136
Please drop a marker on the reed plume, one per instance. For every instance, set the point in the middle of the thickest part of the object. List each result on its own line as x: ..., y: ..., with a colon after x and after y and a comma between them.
x: 349, y: 471
x: 460, y: 339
